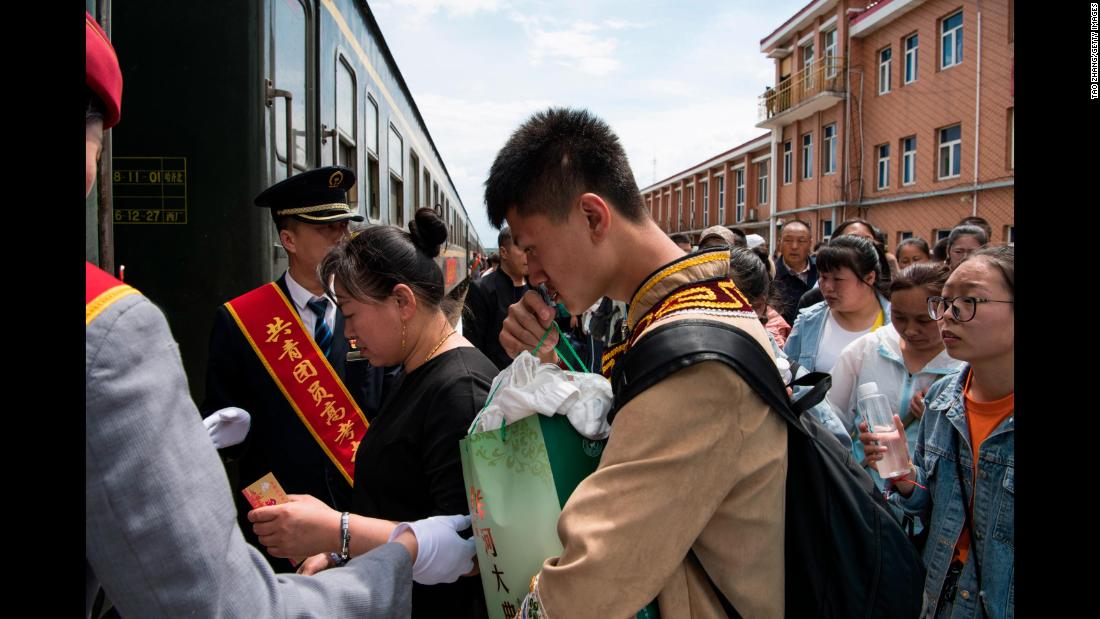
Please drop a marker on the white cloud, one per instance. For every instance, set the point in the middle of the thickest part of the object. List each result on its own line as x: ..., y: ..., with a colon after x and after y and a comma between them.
x: 620, y: 24
x: 454, y: 7
x: 669, y: 87
x: 582, y: 47
x: 685, y: 136
x: 468, y: 134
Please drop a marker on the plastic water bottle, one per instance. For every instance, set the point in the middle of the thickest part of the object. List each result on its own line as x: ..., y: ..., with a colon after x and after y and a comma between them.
x: 875, y: 409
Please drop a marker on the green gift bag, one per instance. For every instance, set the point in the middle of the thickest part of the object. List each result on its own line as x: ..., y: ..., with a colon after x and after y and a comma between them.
x: 518, y: 478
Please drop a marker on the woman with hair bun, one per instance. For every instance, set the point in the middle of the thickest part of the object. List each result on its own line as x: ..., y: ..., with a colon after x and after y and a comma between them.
x: 391, y: 292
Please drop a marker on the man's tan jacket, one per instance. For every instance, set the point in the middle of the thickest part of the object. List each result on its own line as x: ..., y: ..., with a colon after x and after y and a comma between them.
x: 696, y: 461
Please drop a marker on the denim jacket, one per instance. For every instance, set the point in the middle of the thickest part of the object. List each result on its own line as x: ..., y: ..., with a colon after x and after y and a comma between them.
x: 943, y: 441
x: 806, y: 332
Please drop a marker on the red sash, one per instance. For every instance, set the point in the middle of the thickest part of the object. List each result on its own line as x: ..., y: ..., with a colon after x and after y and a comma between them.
x: 307, y: 380
x: 101, y: 290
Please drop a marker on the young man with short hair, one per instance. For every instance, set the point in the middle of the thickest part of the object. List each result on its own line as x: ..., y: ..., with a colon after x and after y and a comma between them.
x: 698, y: 461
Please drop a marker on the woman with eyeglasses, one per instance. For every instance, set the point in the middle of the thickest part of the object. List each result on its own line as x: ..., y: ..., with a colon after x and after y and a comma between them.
x: 849, y: 275
x: 962, y: 482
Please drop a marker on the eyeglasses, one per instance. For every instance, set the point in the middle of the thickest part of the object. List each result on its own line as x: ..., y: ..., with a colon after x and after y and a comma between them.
x: 963, y: 309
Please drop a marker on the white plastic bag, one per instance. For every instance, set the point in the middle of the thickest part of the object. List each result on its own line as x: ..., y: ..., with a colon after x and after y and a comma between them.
x: 529, y: 386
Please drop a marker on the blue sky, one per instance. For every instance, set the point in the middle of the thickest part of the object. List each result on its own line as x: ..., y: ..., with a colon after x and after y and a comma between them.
x: 677, y: 81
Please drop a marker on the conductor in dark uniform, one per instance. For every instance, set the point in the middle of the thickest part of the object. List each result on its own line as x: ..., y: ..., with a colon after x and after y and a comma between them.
x: 292, y: 399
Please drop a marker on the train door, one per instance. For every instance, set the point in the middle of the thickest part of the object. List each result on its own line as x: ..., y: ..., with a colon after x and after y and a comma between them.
x: 290, y: 81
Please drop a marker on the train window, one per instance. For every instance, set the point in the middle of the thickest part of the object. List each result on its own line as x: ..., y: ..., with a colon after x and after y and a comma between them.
x: 396, y: 153
x: 372, y: 158
x: 289, y: 33
x: 428, y: 187
x: 396, y: 162
x: 372, y: 187
x: 397, y: 207
x: 345, y: 123
x: 372, y: 125
x: 414, y: 178
x: 435, y: 196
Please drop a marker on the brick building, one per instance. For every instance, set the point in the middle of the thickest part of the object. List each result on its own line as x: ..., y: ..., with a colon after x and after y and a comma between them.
x: 898, y: 111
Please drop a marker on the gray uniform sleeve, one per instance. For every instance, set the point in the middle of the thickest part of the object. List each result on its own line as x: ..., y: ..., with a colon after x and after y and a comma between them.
x: 160, y: 524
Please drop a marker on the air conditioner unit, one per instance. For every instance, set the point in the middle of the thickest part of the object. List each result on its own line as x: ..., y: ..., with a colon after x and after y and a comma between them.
x: 752, y: 214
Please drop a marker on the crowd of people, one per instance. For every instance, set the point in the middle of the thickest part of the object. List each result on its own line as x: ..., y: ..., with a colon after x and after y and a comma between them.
x: 348, y: 379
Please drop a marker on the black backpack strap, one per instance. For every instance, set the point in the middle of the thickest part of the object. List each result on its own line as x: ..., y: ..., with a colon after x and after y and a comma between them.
x: 820, y: 382
x: 683, y: 343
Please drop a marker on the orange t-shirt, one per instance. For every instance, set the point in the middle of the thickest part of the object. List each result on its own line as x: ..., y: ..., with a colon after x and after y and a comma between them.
x: 982, y: 418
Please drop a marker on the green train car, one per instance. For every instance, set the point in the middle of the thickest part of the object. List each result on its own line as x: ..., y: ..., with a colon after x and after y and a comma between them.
x: 222, y: 99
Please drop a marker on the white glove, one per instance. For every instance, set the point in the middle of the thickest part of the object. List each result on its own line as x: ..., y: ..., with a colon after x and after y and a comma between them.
x: 442, y: 556
x: 228, y: 426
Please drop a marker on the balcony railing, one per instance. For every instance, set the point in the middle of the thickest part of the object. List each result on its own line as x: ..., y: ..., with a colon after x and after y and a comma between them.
x: 823, y: 75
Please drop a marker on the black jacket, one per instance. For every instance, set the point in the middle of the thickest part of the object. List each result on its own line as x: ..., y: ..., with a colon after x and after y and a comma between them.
x: 487, y: 303
x: 790, y: 288
x: 278, y: 441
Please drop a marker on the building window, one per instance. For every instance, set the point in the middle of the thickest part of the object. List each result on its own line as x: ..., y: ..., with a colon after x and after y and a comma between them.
x: 950, y: 151
x: 762, y: 182
x: 951, y: 40
x: 831, y: 64
x: 942, y: 234
x: 1010, y: 235
x: 911, y: 59
x: 739, y: 193
x: 904, y: 235
x: 909, y: 160
x: 826, y: 229
x: 828, y: 163
x: 883, y: 151
x: 680, y: 209
x: 788, y: 162
x: 706, y: 205
x: 691, y: 207
x: 884, y: 59
x: 807, y: 66
x: 807, y: 156
x: 721, y: 199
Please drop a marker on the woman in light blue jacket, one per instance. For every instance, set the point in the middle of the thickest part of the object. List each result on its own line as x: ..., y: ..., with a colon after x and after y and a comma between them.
x: 849, y: 276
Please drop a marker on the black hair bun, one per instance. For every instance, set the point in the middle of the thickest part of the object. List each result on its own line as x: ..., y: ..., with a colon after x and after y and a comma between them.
x: 428, y: 231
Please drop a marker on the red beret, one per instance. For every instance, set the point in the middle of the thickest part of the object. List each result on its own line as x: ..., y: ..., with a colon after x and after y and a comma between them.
x: 103, y: 75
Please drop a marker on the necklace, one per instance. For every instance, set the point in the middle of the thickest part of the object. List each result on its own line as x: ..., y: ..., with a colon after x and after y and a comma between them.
x: 439, y: 344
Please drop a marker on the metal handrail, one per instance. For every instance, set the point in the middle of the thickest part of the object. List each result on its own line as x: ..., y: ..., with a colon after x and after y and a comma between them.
x: 823, y: 75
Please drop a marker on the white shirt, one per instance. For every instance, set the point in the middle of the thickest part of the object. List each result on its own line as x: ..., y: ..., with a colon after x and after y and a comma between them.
x: 300, y: 296
x: 833, y: 340
x: 877, y: 358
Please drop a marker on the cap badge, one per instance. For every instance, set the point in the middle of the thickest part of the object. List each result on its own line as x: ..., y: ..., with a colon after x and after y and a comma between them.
x: 335, y: 180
